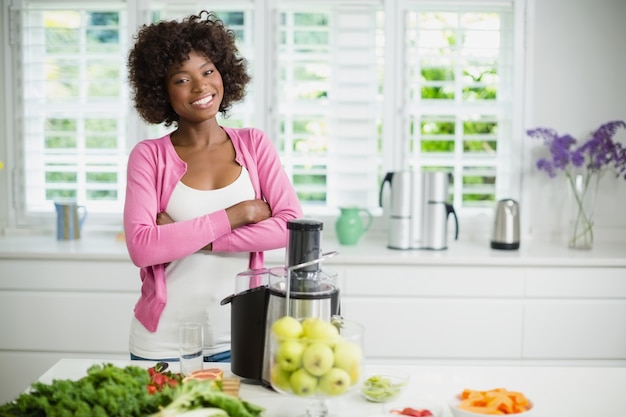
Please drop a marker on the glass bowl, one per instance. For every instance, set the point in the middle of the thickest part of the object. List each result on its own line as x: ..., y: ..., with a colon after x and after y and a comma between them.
x: 316, y: 358
x: 384, y: 386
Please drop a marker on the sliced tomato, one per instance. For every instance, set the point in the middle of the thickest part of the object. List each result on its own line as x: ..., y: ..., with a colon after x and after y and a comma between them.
x: 211, y: 373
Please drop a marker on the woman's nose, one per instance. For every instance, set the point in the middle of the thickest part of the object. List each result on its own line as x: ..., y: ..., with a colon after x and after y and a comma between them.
x: 199, y: 84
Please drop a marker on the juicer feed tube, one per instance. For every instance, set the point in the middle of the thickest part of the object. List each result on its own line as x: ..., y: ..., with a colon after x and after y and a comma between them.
x: 303, y: 248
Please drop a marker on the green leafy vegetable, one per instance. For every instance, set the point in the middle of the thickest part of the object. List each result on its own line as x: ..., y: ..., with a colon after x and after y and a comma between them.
x: 106, y: 390
x: 195, y: 394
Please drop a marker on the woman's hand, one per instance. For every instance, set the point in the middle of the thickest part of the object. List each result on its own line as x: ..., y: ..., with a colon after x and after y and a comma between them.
x: 248, y: 212
x: 163, y: 218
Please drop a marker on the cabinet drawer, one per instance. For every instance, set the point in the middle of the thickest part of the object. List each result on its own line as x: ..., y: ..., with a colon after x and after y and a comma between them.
x: 435, y: 281
x: 576, y: 282
x: 69, y: 322
x: 425, y: 329
x: 575, y: 330
x: 69, y: 274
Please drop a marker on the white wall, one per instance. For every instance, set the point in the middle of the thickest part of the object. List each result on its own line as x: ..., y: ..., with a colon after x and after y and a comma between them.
x: 4, y: 176
x: 578, y: 72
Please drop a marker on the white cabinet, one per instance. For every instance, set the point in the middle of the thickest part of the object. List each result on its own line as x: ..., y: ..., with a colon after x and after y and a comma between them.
x: 59, y: 308
x: 575, y: 313
x: 421, y: 329
x: 575, y: 329
x: 474, y: 313
x: 429, y: 312
x: 459, y: 306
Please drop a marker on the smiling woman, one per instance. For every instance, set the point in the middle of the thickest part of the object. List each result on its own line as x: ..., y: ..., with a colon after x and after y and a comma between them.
x: 203, y: 202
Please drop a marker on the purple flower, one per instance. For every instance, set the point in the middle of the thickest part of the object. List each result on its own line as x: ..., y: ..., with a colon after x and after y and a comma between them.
x: 596, y: 155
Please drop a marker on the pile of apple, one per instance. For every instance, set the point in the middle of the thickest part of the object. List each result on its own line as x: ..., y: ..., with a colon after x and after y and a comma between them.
x: 311, y: 357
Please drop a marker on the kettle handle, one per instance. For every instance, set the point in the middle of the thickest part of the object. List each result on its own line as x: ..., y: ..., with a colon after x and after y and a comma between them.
x: 450, y: 210
x: 388, y: 177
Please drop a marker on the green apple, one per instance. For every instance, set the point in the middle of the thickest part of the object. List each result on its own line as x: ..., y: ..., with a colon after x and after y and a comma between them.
x: 287, y: 327
x: 289, y: 354
x: 348, y: 356
x: 317, y: 358
x: 334, y: 382
x: 303, y: 383
x: 307, y: 322
x: 319, y: 330
x: 280, y: 378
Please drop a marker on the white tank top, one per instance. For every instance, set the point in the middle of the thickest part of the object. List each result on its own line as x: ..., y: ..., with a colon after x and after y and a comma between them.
x: 196, y: 284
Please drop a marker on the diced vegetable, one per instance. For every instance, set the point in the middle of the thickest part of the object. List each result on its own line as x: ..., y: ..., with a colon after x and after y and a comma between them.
x: 413, y: 412
x: 381, y: 388
x: 495, y: 401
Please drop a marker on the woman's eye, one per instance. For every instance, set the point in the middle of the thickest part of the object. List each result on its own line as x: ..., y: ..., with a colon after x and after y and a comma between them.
x: 180, y: 81
x: 208, y: 72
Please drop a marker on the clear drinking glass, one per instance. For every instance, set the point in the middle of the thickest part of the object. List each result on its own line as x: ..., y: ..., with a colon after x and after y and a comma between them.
x: 191, y: 343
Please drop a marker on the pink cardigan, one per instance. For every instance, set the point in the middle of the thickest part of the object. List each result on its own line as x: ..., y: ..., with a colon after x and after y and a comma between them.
x: 154, y: 169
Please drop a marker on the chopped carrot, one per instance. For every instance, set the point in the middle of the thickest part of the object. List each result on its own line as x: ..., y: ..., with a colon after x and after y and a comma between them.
x: 494, y: 401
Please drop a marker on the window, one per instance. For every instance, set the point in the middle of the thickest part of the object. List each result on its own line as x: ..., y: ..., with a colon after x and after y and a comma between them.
x: 348, y: 89
x: 458, y: 64
x: 71, y: 121
x: 328, y: 102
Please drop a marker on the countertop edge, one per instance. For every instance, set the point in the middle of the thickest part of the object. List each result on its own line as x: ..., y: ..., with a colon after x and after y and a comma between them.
x: 109, y: 247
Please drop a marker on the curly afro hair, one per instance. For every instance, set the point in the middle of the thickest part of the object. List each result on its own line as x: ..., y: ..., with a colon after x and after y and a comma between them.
x: 160, y: 45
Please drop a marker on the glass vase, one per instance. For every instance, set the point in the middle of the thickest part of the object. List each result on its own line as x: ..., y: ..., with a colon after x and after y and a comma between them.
x: 583, y: 190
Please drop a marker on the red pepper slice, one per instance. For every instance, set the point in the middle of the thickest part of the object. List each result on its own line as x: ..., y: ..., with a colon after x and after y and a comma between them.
x: 408, y: 411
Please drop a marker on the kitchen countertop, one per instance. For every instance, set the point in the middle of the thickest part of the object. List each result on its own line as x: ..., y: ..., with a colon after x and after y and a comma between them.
x: 555, y: 391
x: 371, y: 251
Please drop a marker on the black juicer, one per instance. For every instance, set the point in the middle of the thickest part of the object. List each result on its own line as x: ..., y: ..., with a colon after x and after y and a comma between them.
x: 300, y: 289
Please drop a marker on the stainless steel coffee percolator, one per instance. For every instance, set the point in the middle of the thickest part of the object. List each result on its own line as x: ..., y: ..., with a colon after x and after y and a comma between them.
x: 417, y: 209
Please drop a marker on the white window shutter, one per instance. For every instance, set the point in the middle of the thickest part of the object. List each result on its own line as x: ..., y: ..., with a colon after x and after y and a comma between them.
x: 458, y: 105
x: 70, y: 107
x: 353, y: 155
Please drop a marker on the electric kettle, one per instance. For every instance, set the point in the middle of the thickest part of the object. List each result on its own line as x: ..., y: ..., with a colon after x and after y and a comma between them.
x: 506, y: 225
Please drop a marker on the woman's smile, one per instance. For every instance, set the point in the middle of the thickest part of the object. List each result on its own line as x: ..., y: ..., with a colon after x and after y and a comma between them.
x: 204, y: 102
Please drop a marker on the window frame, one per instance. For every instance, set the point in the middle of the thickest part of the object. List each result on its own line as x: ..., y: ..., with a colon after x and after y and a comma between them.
x: 392, y: 153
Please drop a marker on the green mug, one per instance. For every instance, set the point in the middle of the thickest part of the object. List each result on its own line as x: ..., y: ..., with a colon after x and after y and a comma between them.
x: 350, y: 225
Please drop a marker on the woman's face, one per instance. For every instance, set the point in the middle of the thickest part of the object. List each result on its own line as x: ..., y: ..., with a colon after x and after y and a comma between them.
x: 195, y: 88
